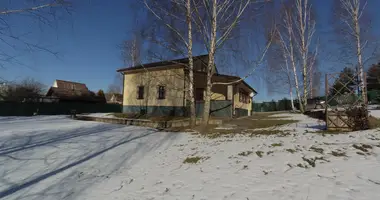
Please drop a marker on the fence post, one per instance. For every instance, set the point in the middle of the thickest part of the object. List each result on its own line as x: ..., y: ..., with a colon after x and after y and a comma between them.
x: 326, y: 89
x: 365, y: 88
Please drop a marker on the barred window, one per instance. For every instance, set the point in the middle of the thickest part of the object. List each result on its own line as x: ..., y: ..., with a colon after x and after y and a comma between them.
x: 161, y: 92
x: 140, y: 92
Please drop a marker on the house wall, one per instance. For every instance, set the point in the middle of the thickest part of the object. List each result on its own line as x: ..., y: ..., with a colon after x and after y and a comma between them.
x: 173, y: 80
x: 218, y: 92
x: 241, y: 108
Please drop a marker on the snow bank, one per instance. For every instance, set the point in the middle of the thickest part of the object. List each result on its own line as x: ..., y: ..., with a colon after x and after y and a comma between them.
x: 66, y: 159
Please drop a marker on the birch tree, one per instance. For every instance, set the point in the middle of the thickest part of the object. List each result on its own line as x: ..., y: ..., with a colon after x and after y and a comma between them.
x: 285, y: 39
x: 304, y: 31
x: 178, y: 35
x: 355, y: 20
x: 213, y: 23
x: 216, y: 21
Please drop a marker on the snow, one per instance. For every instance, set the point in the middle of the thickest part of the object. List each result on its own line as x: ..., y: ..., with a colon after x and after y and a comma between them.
x: 103, y: 115
x: 375, y: 113
x: 54, y: 157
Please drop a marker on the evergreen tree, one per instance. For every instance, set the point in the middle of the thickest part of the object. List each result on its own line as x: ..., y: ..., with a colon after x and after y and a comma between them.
x: 344, y: 83
x: 100, y: 93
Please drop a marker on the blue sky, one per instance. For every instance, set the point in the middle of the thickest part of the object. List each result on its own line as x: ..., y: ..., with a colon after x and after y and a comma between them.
x: 87, y: 43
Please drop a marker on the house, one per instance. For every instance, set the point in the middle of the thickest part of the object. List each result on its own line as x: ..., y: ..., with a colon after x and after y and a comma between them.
x: 114, y: 98
x: 160, y: 89
x: 73, y: 92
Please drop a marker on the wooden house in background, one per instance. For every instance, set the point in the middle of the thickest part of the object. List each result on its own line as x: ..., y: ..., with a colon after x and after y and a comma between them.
x: 74, y: 92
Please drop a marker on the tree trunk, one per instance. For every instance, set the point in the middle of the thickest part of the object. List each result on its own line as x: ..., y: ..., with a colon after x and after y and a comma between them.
x: 295, y: 71
x: 290, y: 84
x: 302, y: 16
x: 304, y: 77
x: 210, y: 65
x: 359, y: 54
x: 291, y: 99
x: 191, y: 65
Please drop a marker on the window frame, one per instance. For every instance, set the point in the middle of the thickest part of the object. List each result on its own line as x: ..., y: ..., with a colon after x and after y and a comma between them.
x: 140, y: 92
x: 161, y: 92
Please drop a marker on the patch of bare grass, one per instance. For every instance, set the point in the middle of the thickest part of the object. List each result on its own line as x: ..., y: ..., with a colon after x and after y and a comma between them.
x: 312, y: 161
x: 259, y: 153
x: 338, y: 154
x: 363, y: 147
x: 373, y: 122
x: 147, y: 117
x: 316, y: 149
x: 291, y: 150
x: 194, y: 160
x: 265, y: 123
x: 245, y: 153
x: 276, y: 144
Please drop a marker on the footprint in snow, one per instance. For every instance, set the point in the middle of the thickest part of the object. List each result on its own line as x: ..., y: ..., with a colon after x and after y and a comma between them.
x: 178, y: 185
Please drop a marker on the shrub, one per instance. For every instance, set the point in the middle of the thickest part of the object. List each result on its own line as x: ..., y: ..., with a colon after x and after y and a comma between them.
x: 358, y: 117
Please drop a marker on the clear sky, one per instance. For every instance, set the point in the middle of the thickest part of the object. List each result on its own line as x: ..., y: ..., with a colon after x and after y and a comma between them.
x: 87, y: 43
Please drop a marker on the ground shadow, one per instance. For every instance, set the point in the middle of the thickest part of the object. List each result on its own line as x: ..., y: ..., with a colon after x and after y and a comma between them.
x: 89, y: 140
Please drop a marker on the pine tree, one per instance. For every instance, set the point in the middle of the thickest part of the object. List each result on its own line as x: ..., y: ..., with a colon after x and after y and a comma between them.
x: 100, y: 93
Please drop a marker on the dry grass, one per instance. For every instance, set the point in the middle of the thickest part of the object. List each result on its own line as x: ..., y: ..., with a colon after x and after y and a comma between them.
x: 193, y: 160
x: 373, y: 122
x: 245, y: 153
x: 246, y: 126
x: 152, y: 118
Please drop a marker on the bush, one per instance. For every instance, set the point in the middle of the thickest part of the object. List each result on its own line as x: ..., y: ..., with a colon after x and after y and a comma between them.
x: 358, y: 117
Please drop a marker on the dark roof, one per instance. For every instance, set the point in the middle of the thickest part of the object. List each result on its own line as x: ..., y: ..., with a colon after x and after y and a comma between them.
x: 183, y: 61
x: 235, y: 78
x: 68, y: 84
x: 161, y: 63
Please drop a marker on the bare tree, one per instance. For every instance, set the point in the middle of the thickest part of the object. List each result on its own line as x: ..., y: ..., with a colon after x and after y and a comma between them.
x: 213, y: 23
x: 305, y: 29
x: 45, y: 12
x: 131, y: 50
x: 168, y: 15
x: 280, y: 74
x: 285, y: 39
x: 216, y: 25
x: 27, y: 88
x: 355, y: 28
x: 117, y: 85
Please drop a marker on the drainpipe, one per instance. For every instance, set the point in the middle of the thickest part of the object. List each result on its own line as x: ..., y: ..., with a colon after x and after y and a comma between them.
x: 184, y: 92
x: 122, y: 92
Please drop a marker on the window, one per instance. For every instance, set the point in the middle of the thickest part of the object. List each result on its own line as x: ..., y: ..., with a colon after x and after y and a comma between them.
x: 244, y: 97
x: 161, y: 92
x: 199, y: 92
x: 140, y: 92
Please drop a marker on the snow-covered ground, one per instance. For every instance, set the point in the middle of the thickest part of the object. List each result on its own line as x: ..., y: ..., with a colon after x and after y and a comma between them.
x: 58, y: 158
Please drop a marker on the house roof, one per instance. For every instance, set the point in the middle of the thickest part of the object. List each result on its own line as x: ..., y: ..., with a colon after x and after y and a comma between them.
x: 183, y: 61
x: 235, y: 78
x: 78, y: 86
x: 162, y: 63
